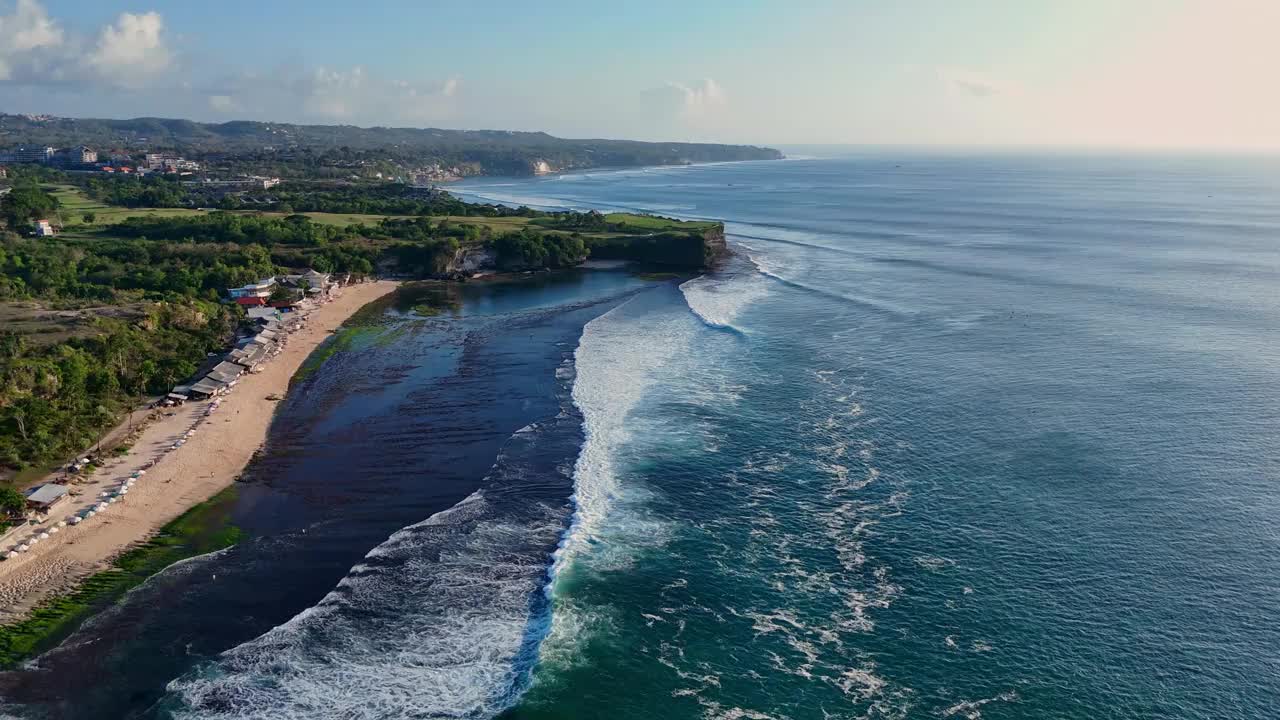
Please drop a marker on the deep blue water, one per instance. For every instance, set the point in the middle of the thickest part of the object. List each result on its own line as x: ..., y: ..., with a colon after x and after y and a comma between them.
x: 952, y: 437
x: 992, y: 437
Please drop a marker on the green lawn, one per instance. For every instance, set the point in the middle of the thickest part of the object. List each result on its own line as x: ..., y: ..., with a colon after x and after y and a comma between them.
x: 650, y: 222
x: 74, y: 204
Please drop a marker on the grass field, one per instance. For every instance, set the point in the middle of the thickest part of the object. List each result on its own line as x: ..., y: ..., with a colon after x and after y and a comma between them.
x: 657, y: 224
x: 74, y: 204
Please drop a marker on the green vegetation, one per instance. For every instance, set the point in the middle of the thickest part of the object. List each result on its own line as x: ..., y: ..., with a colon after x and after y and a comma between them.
x: 203, y: 529
x: 317, y: 151
x: 24, y: 204
x: 57, y: 399
x: 529, y: 249
x: 129, y: 305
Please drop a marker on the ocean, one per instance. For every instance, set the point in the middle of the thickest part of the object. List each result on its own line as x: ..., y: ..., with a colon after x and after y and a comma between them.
x: 950, y: 436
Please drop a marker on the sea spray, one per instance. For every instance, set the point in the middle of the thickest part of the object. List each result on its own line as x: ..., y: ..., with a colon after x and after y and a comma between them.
x: 618, y: 361
x: 435, y: 621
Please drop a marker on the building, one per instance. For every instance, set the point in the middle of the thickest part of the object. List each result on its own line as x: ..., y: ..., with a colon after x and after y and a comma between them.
x: 44, y: 229
x: 263, y: 313
x: 78, y: 155
x: 43, y: 497
x: 168, y: 162
x: 250, y: 302
x: 30, y: 154
x: 260, y: 289
x: 4, y: 172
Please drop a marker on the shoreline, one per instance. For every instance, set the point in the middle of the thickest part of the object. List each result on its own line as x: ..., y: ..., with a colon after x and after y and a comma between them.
x: 181, y: 478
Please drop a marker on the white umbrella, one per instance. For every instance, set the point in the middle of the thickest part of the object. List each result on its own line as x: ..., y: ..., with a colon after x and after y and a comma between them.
x: 23, y: 547
x: 62, y: 523
x: 53, y: 530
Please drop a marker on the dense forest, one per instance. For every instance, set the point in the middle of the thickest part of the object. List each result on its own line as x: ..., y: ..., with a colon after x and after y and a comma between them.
x: 286, y: 146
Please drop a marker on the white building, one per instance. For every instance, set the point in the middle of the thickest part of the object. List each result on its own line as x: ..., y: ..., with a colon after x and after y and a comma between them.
x: 261, y: 288
x: 44, y: 229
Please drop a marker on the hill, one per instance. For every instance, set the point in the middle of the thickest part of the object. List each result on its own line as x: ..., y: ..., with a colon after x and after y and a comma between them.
x: 460, y: 152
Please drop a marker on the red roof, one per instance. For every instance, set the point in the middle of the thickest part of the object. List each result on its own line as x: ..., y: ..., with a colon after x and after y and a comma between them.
x: 251, y: 301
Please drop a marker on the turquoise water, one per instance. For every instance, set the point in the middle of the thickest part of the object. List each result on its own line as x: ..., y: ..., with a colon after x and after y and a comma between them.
x: 950, y: 437
x: 957, y: 437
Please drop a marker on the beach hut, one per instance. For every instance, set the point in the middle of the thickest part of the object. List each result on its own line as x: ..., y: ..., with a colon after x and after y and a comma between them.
x: 43, y: 497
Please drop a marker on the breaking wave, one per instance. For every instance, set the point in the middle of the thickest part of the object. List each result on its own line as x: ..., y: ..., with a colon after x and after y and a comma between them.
x: 442, y: 620
x: 717, y: 301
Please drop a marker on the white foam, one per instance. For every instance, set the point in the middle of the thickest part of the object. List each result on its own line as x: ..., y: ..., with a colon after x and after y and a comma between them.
x: 429, y: 625
x: 719, y: 301
x: 617, y: 361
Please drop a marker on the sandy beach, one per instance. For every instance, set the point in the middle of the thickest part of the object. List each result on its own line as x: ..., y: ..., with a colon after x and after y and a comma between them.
x: 205, y: 463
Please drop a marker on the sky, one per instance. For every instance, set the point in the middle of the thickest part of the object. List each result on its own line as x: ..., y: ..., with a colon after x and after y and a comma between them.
x: 1104, y: 73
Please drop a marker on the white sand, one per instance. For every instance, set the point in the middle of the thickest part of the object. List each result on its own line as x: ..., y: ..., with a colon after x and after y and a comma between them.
x: 207, y: 462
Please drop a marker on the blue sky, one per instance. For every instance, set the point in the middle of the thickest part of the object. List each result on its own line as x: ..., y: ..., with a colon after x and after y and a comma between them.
x: 981, y: 72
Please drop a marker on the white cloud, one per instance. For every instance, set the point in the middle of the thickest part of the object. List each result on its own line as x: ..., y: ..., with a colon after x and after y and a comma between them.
x: 334, y: 94
x: 131, y: 48
x: 700, y: 100
x: 34, y: 50
x: 28, y: 29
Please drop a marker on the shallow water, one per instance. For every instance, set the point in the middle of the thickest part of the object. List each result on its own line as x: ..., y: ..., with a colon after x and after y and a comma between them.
x: 953, y: 436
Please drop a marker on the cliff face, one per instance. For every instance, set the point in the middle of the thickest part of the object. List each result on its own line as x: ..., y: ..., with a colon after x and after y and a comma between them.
x: 469, y: 260
x: 682, y: 250
x: 714, y: 246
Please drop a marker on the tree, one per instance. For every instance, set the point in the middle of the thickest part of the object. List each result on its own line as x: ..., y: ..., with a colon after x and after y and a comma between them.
x: 280, y: 293
x: 89, y: 218
x: 12, y: 502
x: 26, y: 203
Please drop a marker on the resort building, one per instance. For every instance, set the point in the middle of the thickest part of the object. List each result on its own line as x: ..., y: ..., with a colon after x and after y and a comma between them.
x: 45, y: 229
x: 260, y: 289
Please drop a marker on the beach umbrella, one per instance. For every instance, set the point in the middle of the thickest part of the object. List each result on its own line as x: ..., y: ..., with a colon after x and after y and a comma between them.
x: 75, y: 520
x: 12, y: 554
x: 23, y: 547
x: 62, y: 523
x: 33, y: 541
x: 124, y: 490
x: 142, y: 472
x: 113, y: 499
x: 44, y: 536
x: 53, y: 529
x: 90, y: 514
